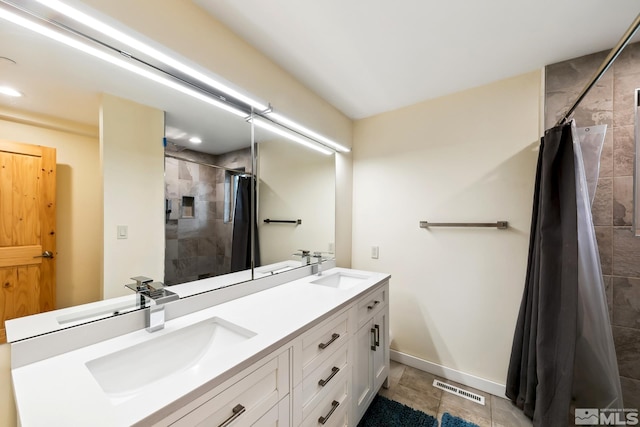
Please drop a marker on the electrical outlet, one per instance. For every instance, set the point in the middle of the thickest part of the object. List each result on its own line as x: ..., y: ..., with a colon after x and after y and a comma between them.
x: 375, y: 252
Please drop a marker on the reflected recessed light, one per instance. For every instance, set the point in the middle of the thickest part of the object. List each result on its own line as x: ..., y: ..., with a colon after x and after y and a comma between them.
x: 6, y: 90
x: 195, y: 140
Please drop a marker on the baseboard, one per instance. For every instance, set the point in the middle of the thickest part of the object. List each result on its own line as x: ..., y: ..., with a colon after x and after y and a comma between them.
x: 450, y: 374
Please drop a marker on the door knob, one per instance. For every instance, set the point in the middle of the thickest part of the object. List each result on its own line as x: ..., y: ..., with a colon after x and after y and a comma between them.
x: 45, y: 254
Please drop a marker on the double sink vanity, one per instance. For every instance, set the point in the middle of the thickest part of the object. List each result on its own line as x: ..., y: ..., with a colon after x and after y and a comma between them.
x: 293, y: 349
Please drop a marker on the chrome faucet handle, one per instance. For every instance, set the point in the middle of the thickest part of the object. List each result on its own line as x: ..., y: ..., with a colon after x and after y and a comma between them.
x: 302, y: 253
x: 142, y: 282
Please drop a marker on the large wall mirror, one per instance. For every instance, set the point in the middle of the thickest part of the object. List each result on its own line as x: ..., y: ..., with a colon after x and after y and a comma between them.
x: 194, y: 177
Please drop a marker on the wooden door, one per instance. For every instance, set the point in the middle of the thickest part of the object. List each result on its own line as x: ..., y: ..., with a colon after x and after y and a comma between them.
x: 27, y: 230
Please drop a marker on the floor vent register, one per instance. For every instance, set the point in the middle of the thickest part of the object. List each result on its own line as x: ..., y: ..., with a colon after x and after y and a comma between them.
x: 459, y: 392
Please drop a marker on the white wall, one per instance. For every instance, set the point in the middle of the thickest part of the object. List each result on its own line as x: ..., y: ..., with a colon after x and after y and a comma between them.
x: 132, y: 160
x: 295, y: 183
x: 466, y: 157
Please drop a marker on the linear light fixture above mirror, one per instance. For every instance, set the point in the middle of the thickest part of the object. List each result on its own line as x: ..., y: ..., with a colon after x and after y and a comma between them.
x: 279, y: 130
x: 90, y: 22
x: 115, y: 60
x: 306, y: 131
x: 242, y: 101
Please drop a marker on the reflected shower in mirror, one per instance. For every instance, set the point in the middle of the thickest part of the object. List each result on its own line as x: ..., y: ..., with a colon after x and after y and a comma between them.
x: 203, y: 182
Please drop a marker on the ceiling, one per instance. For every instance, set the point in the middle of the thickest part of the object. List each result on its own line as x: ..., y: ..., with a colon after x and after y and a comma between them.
x: 370, y: 56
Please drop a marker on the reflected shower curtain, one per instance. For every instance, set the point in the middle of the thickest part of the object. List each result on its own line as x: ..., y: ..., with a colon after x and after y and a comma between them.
x: 550, y: 362
x: 242, y: 236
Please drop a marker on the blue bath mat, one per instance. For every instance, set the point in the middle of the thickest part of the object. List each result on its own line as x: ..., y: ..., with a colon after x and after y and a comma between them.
x: 389, y: 413
x: 449, y: 420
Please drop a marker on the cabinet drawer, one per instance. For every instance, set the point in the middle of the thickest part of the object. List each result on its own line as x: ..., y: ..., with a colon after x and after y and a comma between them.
x: 316, y: 383
x: 278, y: 416
x: 371, y: 303
x: 244, y: 402
x: 323, y: 340
x: 332, y: 408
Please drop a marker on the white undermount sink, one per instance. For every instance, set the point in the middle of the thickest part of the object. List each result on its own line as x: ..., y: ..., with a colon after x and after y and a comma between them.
x: 340, y: 280
x: 123, y: 372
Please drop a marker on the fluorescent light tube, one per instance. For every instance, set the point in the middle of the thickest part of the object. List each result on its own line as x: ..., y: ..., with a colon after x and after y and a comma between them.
x: 40, y: 29
x: 6, y: 90
x: 264, y: 124
x: 131, y: 42
x: 290, y: 123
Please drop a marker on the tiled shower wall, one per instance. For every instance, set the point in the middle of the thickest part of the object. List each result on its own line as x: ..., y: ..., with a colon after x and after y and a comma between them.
x: 200, y: 246
x: 611, y: 103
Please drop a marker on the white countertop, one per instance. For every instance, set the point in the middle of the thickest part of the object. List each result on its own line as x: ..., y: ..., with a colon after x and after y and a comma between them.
x: 62, y: 391
x: 28, y: 326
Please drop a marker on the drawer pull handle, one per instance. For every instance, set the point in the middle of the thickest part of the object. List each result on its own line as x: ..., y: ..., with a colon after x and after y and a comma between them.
x: 334, y: 406
x: 237, y: 411
x: 334, y: 337
x: 372, y: 306
x: 377, y: 328
x: 373, y: 339
x: 334, y: 371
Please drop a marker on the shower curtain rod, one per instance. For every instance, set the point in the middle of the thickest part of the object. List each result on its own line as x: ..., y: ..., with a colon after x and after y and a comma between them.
x: 233, y: 171
x: 610, y: 59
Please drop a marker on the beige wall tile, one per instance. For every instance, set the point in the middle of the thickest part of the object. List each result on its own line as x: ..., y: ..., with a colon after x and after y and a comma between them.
x: 623, y: 201
x: 626, y: 302
x: 627, y: 342
x: 602, y: 208
x: 623, y: 150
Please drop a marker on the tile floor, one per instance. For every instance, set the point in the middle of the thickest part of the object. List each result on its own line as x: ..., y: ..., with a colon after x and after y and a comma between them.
x: 414, y: 388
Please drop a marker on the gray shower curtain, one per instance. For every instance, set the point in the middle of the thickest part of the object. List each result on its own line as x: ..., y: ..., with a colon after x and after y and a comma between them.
x: 242, y: 233
x: 541, y: 367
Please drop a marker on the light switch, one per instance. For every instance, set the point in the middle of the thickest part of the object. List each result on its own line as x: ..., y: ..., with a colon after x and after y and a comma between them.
x: 375, y: 252
x: 123, y: 232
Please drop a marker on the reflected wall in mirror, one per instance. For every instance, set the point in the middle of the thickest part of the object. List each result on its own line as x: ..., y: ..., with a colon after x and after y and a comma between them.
x: 294, y: 183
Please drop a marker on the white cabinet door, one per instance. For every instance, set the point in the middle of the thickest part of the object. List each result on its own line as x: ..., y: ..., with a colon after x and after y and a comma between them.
x: 362, y: 369
x: 380, y: 368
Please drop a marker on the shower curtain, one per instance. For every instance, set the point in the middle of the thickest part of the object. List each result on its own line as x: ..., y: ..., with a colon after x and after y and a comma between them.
x: 560, y: 314
x: 242, y: 236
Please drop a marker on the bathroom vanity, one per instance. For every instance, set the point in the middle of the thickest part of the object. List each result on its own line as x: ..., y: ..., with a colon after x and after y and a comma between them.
x: 310, y: 351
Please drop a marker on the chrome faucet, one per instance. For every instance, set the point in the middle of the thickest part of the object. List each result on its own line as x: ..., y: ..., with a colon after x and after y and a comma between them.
x: 305, y: 255
x: 318, y: 255
x: 157, y: 296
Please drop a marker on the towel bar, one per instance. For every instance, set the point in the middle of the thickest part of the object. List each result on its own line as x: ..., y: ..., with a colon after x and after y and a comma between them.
x: 284, y: 221
x: 500, y: 225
